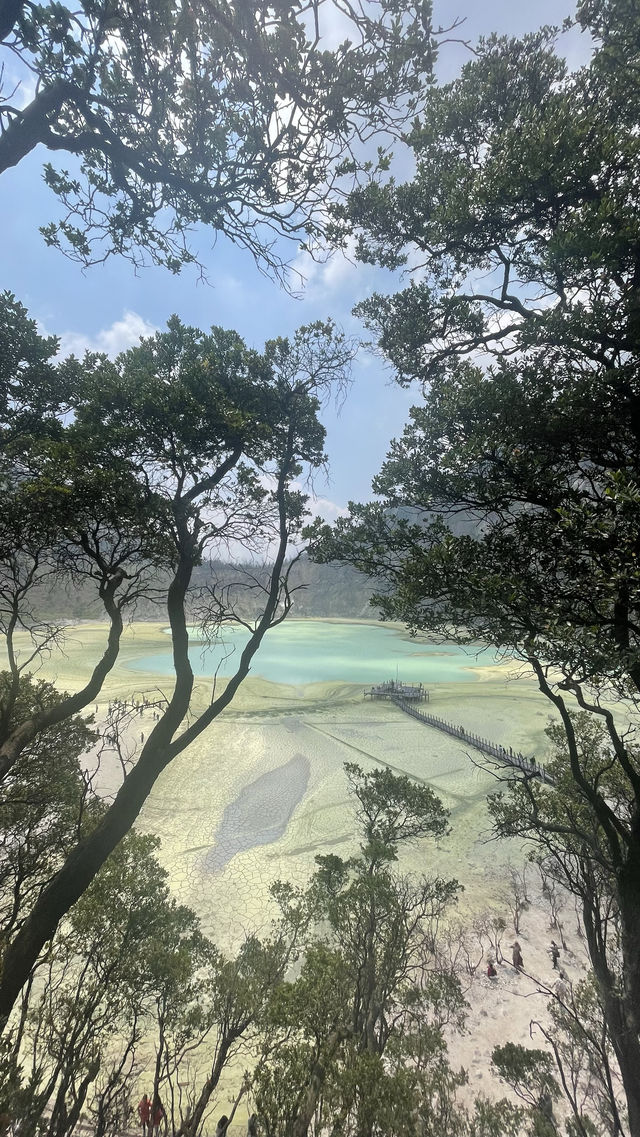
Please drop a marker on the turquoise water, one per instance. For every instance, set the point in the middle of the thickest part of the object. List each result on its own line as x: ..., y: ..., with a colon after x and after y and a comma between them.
x: 310, y: 651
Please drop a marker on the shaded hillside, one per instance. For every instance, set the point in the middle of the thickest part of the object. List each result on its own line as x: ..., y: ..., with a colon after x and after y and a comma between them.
x: 321, y: 590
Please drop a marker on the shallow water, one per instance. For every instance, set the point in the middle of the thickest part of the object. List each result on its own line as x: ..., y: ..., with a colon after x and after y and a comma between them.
x: 313, y: 651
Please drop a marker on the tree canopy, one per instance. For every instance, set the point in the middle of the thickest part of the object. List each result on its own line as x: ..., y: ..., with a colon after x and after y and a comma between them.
x: 521, y: 328
x: 218, y: 112
x: 205, y: 446
x: 360, y: 1029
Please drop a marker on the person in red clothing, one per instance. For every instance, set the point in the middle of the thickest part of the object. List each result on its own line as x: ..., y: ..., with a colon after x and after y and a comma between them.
x: 157, y: 1116
x: 144, y: 1113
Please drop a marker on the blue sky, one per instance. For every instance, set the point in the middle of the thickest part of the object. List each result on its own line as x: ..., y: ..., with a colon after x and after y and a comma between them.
x: 108, y: 307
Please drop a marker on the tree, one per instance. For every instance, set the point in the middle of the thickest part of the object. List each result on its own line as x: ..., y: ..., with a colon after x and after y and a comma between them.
x: 234, y: 998
x: 186, y: 444
x: 85, y: 1014
x: 127, y: 972
x: 45, y: 800
x: 580, y: 1052
x: 360, y: 1029
x: 563, y: 833
x: 528, y: 1072
x: 217, y: 112
x: 581, y: 1047
x: 522, y: 329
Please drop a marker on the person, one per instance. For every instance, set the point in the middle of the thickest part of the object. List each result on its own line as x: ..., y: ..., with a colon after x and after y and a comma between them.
x: 144, y: 1113
x: 222, y: 1126
x: 561, y: 987
x: 252, y: 1126
x: 491, y: 971
x: 554, y: 952
x: 516, y: 956
x: 157, y: 1116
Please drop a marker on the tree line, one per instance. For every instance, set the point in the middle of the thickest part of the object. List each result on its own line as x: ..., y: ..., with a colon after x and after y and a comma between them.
x: 320, y: 590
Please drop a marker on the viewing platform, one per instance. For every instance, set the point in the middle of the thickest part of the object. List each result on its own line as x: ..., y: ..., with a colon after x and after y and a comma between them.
x: 394, y: 689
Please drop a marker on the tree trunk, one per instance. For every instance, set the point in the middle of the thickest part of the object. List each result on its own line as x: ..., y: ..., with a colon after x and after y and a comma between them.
x: 87, y: 858
x: 73, y: 1116
x: 31, y: 126
x: 302, y: 1121
x: 191, y: 1125
x: 620, y: 1005
x: 75, y: 876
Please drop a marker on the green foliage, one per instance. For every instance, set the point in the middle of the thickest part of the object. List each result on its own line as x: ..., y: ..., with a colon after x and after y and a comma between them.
x: 229, y: 115
x: 525, y: 175
x: 581, y: 1044
x: 496, y: 1119
x: 561, y: 821
x: 32, y: 388
x: 527, y: 1071
x: 125, y: 948
x: 369, y: 1004
x: 156, y: 426
x: 394, y: 809
x: 522, y: 329
x: 318, y: 1001
x: 187, y: 448
x: 278, y: 1085
x: 45, y: 800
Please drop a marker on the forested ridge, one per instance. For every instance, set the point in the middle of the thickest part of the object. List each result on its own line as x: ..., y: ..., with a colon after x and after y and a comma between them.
x: 321, y: 590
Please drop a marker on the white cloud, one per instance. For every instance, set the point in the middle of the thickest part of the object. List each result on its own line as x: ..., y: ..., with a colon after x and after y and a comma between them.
x: 25, y: 94
x: 328, y: 510
x: 338, y: 275
x: 119, y: 336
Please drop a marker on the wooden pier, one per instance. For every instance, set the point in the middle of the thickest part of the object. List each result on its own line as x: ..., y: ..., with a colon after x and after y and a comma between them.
x: 394, y: 690
x: 406, y: 697
x: 504, y: 755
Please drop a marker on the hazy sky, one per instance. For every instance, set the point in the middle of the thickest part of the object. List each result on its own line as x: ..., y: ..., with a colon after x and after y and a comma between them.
x: 108, y: 307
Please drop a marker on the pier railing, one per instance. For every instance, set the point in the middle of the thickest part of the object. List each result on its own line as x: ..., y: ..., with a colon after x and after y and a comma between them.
x: 394, y: 688
x: 507, y: 756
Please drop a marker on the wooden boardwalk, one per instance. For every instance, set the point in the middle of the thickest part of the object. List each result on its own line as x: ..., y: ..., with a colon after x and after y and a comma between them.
x: 393, y: 689
x: 507, y: 757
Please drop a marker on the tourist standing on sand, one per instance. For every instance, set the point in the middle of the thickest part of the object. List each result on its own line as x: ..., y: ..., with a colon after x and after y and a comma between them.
x: 554, y: 952
x: 516, y: 956
x: 144, y: 1113
x: 491, y: 971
